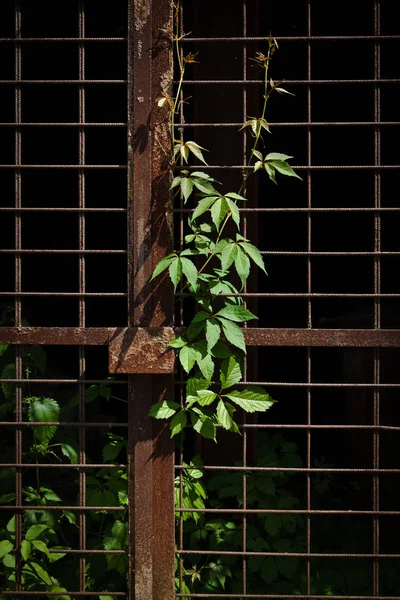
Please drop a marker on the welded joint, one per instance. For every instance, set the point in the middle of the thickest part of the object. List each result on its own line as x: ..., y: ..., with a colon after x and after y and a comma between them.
x: 142, y: 351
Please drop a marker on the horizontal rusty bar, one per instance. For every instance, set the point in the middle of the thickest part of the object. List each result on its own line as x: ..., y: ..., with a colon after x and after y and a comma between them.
x: 374, y: 167
x: 58, y: 251
x: 283, y: 596
x: 248, y: 469
x: 64, y: 124
x: 62, y: 466
x: 290, y: 38
x: 246, y: 82
x: 311, y: 209
x: 254, y: 336
x: 188, y: 124
x: 20, y: 40
x: 69, y: 593
x: 16, y: 294
x: 81, y: 167
x: 322, y: 337
x: 240, y: 512
x: 87, y: 424
x: 70, y: 507
x: 285, y: 554
x: 62, y: 209
x: 62, y: 81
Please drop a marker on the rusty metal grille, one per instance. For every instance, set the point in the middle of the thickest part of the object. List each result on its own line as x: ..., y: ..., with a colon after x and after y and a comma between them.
x: 328, y: 329
x: 74, y: 254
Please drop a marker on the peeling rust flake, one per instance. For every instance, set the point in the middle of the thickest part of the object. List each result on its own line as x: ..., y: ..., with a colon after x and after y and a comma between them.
x: 142, y: 13
x: 141, y: 351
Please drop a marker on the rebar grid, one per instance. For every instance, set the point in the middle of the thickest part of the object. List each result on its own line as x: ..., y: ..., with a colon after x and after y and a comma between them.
x: 243, y: 90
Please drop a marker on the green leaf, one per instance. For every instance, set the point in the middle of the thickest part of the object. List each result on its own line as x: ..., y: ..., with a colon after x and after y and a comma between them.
x: 11, y: 525
x: 186, y: 187
x: 194, y: 384
x: 189, y: 271
x: 269, y: 570
x: 204, y: 426
x: 234, y: 211
x: 41, y: 574
x: 178, y: 342
x: 206, y: 366
x: 3, y: 349
x: 163, y: 264
x: 224, y: 418
x: 204, y: 185
x: 213, y: 333
x: 228, y: 255
x: 277, y: 156
x: 175, y: 271
x: 203, y: 206
x: 235, y: 313
x: 254, y: 254
x: 251, y: 399
x: 270, y: 170
x: 218, y: 211
x: 206, y: 397
x: 70, y: 452
x: 178, y: 422
x: 57, y: 588
x: 44, y: 409
x: 242, y: 265
x: 26, y: 549
x: 187, y: 357
x: 164, y: 409
x: 35, y: 531
x: 233, y: 334
x: 281, y: 166
x: 230, y: 372
x: 221, y: 350
x: 41, y: 546
x: 196, y: 150
x: 5, y: 547
x: 234, y: 196
x: 194, y: 329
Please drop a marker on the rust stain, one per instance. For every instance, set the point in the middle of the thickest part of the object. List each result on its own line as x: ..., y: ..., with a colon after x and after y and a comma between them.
x: 141, y: 351
x: 142, y: 13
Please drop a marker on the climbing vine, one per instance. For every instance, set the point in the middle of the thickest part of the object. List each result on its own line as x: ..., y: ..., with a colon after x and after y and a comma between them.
x: 213, y: 268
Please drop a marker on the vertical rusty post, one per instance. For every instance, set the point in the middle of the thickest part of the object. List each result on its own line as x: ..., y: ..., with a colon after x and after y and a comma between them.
x: 151, y: 469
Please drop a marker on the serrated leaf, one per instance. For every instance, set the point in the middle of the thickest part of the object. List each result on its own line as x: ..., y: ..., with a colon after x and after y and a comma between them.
x: 233, y: 334
x: 196, y: 150
x: 189, y: 271
x: 11, y: 525
x: 284, y: 168
x: 235, y: 196
x: 203, y: 205
x: 271, y: 172
x: 206, y: 397
x: 70, y: 452
x: 221, y: 350
x: 254, y: 254
x: 44, y: 409
x: 186, y: 187
x: 163, y: 265
x: 223, y: 416
x: 251, y: 400
x: 175, y: 271
x: 277, y: 156
x: 35, y: 531
x: 234, y: 211
x: 5, y: 547
x: 228, y: 255
x: 177, y: 180
x: 219, y: 211
x: 204, y: 426
x: 235, y: 313
x: 178, y: 422
x: 230, y: 372
x: 164, y: 409
x: 3, y: 349
x: 242, y: 265
x: 213, y: 333
x: 194, y: 329
x: 187, y: 357
x: 258, y: 155
x: 206, y: 366
x: 178, y: 342
x: 194, y: 384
